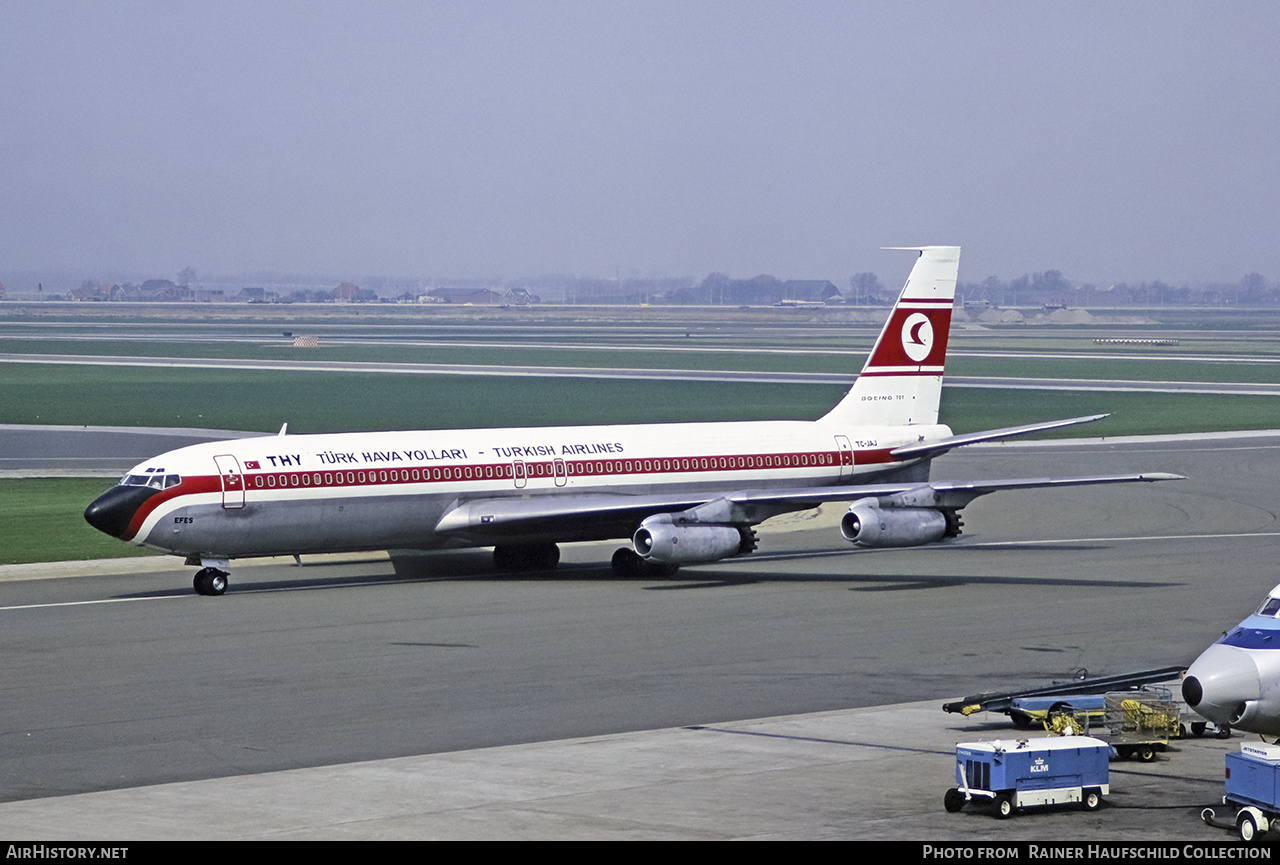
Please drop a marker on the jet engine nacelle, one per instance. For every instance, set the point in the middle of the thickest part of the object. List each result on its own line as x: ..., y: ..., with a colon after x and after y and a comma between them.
x: 869, y: 526
x: 660, y: 539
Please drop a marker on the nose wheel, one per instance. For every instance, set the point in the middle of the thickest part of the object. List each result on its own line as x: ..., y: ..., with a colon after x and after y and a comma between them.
x: 210, y: 581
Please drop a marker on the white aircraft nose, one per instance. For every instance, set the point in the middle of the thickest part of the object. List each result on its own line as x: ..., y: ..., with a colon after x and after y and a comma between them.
x: 1220, y: 682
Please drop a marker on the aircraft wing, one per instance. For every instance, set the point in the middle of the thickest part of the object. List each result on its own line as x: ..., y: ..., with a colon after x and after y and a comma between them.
x: 603, y: 516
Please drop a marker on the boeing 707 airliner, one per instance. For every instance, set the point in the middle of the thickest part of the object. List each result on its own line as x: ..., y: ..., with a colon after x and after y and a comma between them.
x: 688, y: 493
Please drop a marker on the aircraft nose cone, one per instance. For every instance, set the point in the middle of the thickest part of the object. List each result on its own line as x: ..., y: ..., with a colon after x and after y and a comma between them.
x: 1220, y: 681
x: 1192, y: 691
x: 112, y: 511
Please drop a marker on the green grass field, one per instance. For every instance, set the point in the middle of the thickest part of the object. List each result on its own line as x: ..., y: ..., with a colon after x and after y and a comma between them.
x: 43, y: 522
x: 333, y: 402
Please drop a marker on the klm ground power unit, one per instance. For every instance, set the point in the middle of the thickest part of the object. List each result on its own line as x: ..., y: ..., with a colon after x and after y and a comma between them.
x: 1027, y: 773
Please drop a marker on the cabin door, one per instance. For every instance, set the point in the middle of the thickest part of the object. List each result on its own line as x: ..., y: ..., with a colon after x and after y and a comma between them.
x: 232, y: 480
x: 845, y: 456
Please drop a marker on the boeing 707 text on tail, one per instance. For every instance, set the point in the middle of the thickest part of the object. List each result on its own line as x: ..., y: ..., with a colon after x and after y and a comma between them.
x: 688, y: 493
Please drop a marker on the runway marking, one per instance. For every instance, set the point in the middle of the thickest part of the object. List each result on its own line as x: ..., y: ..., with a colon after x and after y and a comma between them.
x: 87, y: 603
x: 241, y: 590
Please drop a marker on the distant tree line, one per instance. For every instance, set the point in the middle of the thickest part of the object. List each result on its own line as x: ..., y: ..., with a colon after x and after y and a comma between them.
x: 1046, y: 288
x: 1051, y: 288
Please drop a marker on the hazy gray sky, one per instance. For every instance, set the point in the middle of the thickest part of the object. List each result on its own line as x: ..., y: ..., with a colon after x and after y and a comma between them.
x: 1111, y: 140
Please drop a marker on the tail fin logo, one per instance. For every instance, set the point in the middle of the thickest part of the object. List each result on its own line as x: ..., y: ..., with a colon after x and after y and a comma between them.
x: 917, y: 336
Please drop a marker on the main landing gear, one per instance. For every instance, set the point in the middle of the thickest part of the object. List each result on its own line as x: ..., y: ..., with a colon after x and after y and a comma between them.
x: 526, y: 557
x: 543, y: 557
x: 627, y: 563
x: 210, y: 581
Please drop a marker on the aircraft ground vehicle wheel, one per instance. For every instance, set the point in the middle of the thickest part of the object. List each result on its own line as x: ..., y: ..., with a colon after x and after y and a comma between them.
x: 1247, y: 827
x: 1092, y: 799
x: 1004, y: 806
x: 1145, y: 753
x: 1020, y: 719
x: 953, y: 800
x: 210, y: 581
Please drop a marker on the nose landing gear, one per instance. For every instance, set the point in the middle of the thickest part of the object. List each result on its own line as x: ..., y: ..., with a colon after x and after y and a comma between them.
x: 210, y: 581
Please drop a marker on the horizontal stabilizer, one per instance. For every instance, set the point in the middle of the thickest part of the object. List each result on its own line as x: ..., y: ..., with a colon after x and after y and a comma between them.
x: 925, y: 449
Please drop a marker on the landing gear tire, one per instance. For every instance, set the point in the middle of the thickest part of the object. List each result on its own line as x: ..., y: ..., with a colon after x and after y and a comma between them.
x: 210, y: 581
x: 628, y: 564
x: 526, y: 557
x: 1198, y: 728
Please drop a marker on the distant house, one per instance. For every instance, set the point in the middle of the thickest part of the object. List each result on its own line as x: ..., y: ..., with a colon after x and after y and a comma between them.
x: 158, y: 290
x: 520, y: 296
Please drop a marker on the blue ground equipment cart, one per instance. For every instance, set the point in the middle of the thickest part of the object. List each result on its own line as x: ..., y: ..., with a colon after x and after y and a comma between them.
x: 1253, y: 786
x: 1026, y: 773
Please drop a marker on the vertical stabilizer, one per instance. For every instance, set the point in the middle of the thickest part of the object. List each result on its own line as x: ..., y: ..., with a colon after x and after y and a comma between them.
x: 902, y: 381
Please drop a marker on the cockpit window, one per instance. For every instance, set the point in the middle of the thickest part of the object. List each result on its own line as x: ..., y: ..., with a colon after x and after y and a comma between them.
x: 1270, y: 607
x: 155, y: 481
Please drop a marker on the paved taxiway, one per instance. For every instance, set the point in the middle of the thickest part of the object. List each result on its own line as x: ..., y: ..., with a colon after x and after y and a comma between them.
x: 121, y: 680
x: 48, y: 450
